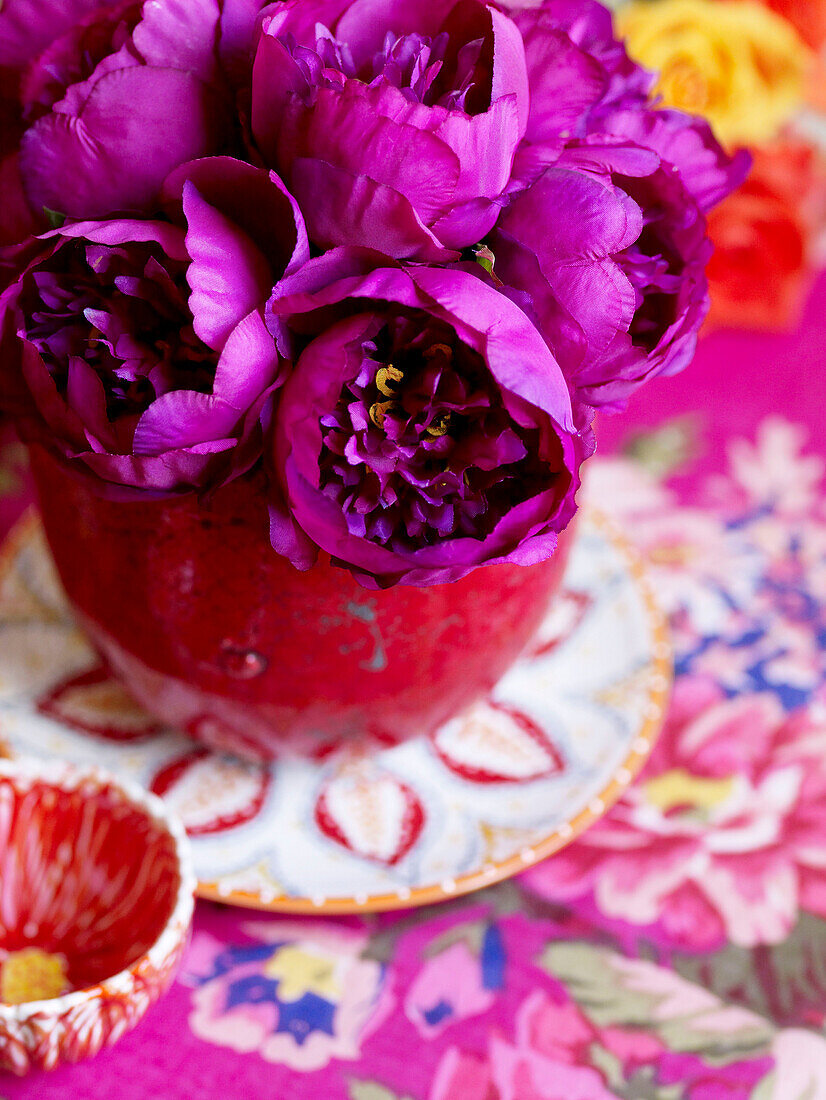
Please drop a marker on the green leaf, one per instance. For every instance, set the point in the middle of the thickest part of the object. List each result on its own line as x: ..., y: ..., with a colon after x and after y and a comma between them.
x: 780, y: 982
x: 54, y: 217
x: 471, y: 934
x: 616, y: 991
x: 641, y: 1085
x: 372, y: 1090
x: 484, y: 257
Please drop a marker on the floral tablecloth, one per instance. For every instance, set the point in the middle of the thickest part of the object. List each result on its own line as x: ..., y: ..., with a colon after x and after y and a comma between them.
x: 679, y: 948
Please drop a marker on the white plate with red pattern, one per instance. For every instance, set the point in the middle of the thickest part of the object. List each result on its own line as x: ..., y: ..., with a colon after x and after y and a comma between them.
x: 489, y: 794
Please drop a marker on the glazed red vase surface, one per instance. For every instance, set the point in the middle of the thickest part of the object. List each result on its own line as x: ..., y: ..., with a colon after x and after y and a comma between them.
x: 215, y: 633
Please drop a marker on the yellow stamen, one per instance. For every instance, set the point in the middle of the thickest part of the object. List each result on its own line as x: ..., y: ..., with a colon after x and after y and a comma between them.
x: 439, y: 349
x: 439, y: 426
x: 379, y: 411
x: 388, y: 380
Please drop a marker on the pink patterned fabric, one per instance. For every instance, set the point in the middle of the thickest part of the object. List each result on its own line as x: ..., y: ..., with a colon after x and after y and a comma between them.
x: 677, y: 949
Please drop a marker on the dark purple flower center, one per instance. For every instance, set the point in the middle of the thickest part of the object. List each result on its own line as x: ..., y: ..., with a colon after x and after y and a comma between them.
x: 121, y: 311
x: 425, y: 70
x: 420, y: 446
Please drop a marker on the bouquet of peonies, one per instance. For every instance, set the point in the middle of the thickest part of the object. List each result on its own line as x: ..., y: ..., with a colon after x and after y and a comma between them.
x: 392, y: 256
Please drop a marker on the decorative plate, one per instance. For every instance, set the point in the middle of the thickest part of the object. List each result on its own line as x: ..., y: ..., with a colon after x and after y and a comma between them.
x: 509, y: 783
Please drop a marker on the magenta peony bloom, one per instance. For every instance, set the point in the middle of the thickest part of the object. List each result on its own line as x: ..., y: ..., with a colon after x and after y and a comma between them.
x: 145, y: 360
x: 618, y: 286
x: 118, y: 101
x: 576, y: 68
x: 395, y: 125
x: 425, y: 428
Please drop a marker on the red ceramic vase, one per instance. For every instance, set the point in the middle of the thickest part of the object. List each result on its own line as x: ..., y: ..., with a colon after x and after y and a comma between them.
x: 215, y: 633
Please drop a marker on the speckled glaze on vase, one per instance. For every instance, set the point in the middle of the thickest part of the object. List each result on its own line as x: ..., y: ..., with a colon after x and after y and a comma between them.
x: 215, y: 633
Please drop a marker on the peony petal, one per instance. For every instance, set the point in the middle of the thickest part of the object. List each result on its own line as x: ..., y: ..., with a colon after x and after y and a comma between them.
x: 599, y: 297
x: 86, y: 397
x: 289, y: 540
x: 236, y: 35
x: 136, y: 126
x: 376, y: 132
x: 123, y: 230
x: 467, y: 223
x: 343, y: 208
x: 598, y: 221
x: 276, y: 81
x: 485, y: 145
x: 27, y: 27
x: 174, y: 472
x: 510, y: 74
x: 565, y: 82
x: 248, y: 365
x: 178, y: 34
x: 300, y: 19
x: 253, y: 199
x: 184, y: 418
x: 516, y: 354
x: 689, y: 145
x: 228, y: 274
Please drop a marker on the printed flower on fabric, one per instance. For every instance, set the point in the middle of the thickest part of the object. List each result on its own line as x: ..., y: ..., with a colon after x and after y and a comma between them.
x: 704, y: 572
x: 717, y: 841
x: 550, y: 1057
x: 735, y: 62
x: 456, y: 984
x: 118, y: 101
x: 143, y: 358
x: 799, y: 1066
x: 298, y: 994
x: 425, y: 428
x: 395, y: 125
x: 775, y: 473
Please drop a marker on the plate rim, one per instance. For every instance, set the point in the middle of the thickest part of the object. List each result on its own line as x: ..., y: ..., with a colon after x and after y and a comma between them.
x: 493, y: 871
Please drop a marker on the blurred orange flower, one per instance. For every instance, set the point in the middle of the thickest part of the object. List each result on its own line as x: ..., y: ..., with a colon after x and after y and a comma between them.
x: 764, y: 236
x: 809, y: 16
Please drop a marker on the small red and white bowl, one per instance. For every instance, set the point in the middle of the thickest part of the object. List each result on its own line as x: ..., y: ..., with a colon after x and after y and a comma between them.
x: 96, y: 901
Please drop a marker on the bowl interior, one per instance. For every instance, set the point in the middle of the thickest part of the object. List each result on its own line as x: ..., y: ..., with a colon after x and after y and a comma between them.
x: 87, y: 883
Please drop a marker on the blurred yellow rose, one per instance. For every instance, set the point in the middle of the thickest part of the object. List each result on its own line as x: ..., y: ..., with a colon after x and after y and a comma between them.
x: 736, y: 62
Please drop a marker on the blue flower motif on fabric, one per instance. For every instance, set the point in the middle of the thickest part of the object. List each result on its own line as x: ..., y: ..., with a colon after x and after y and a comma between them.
x: 297, y: 1001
